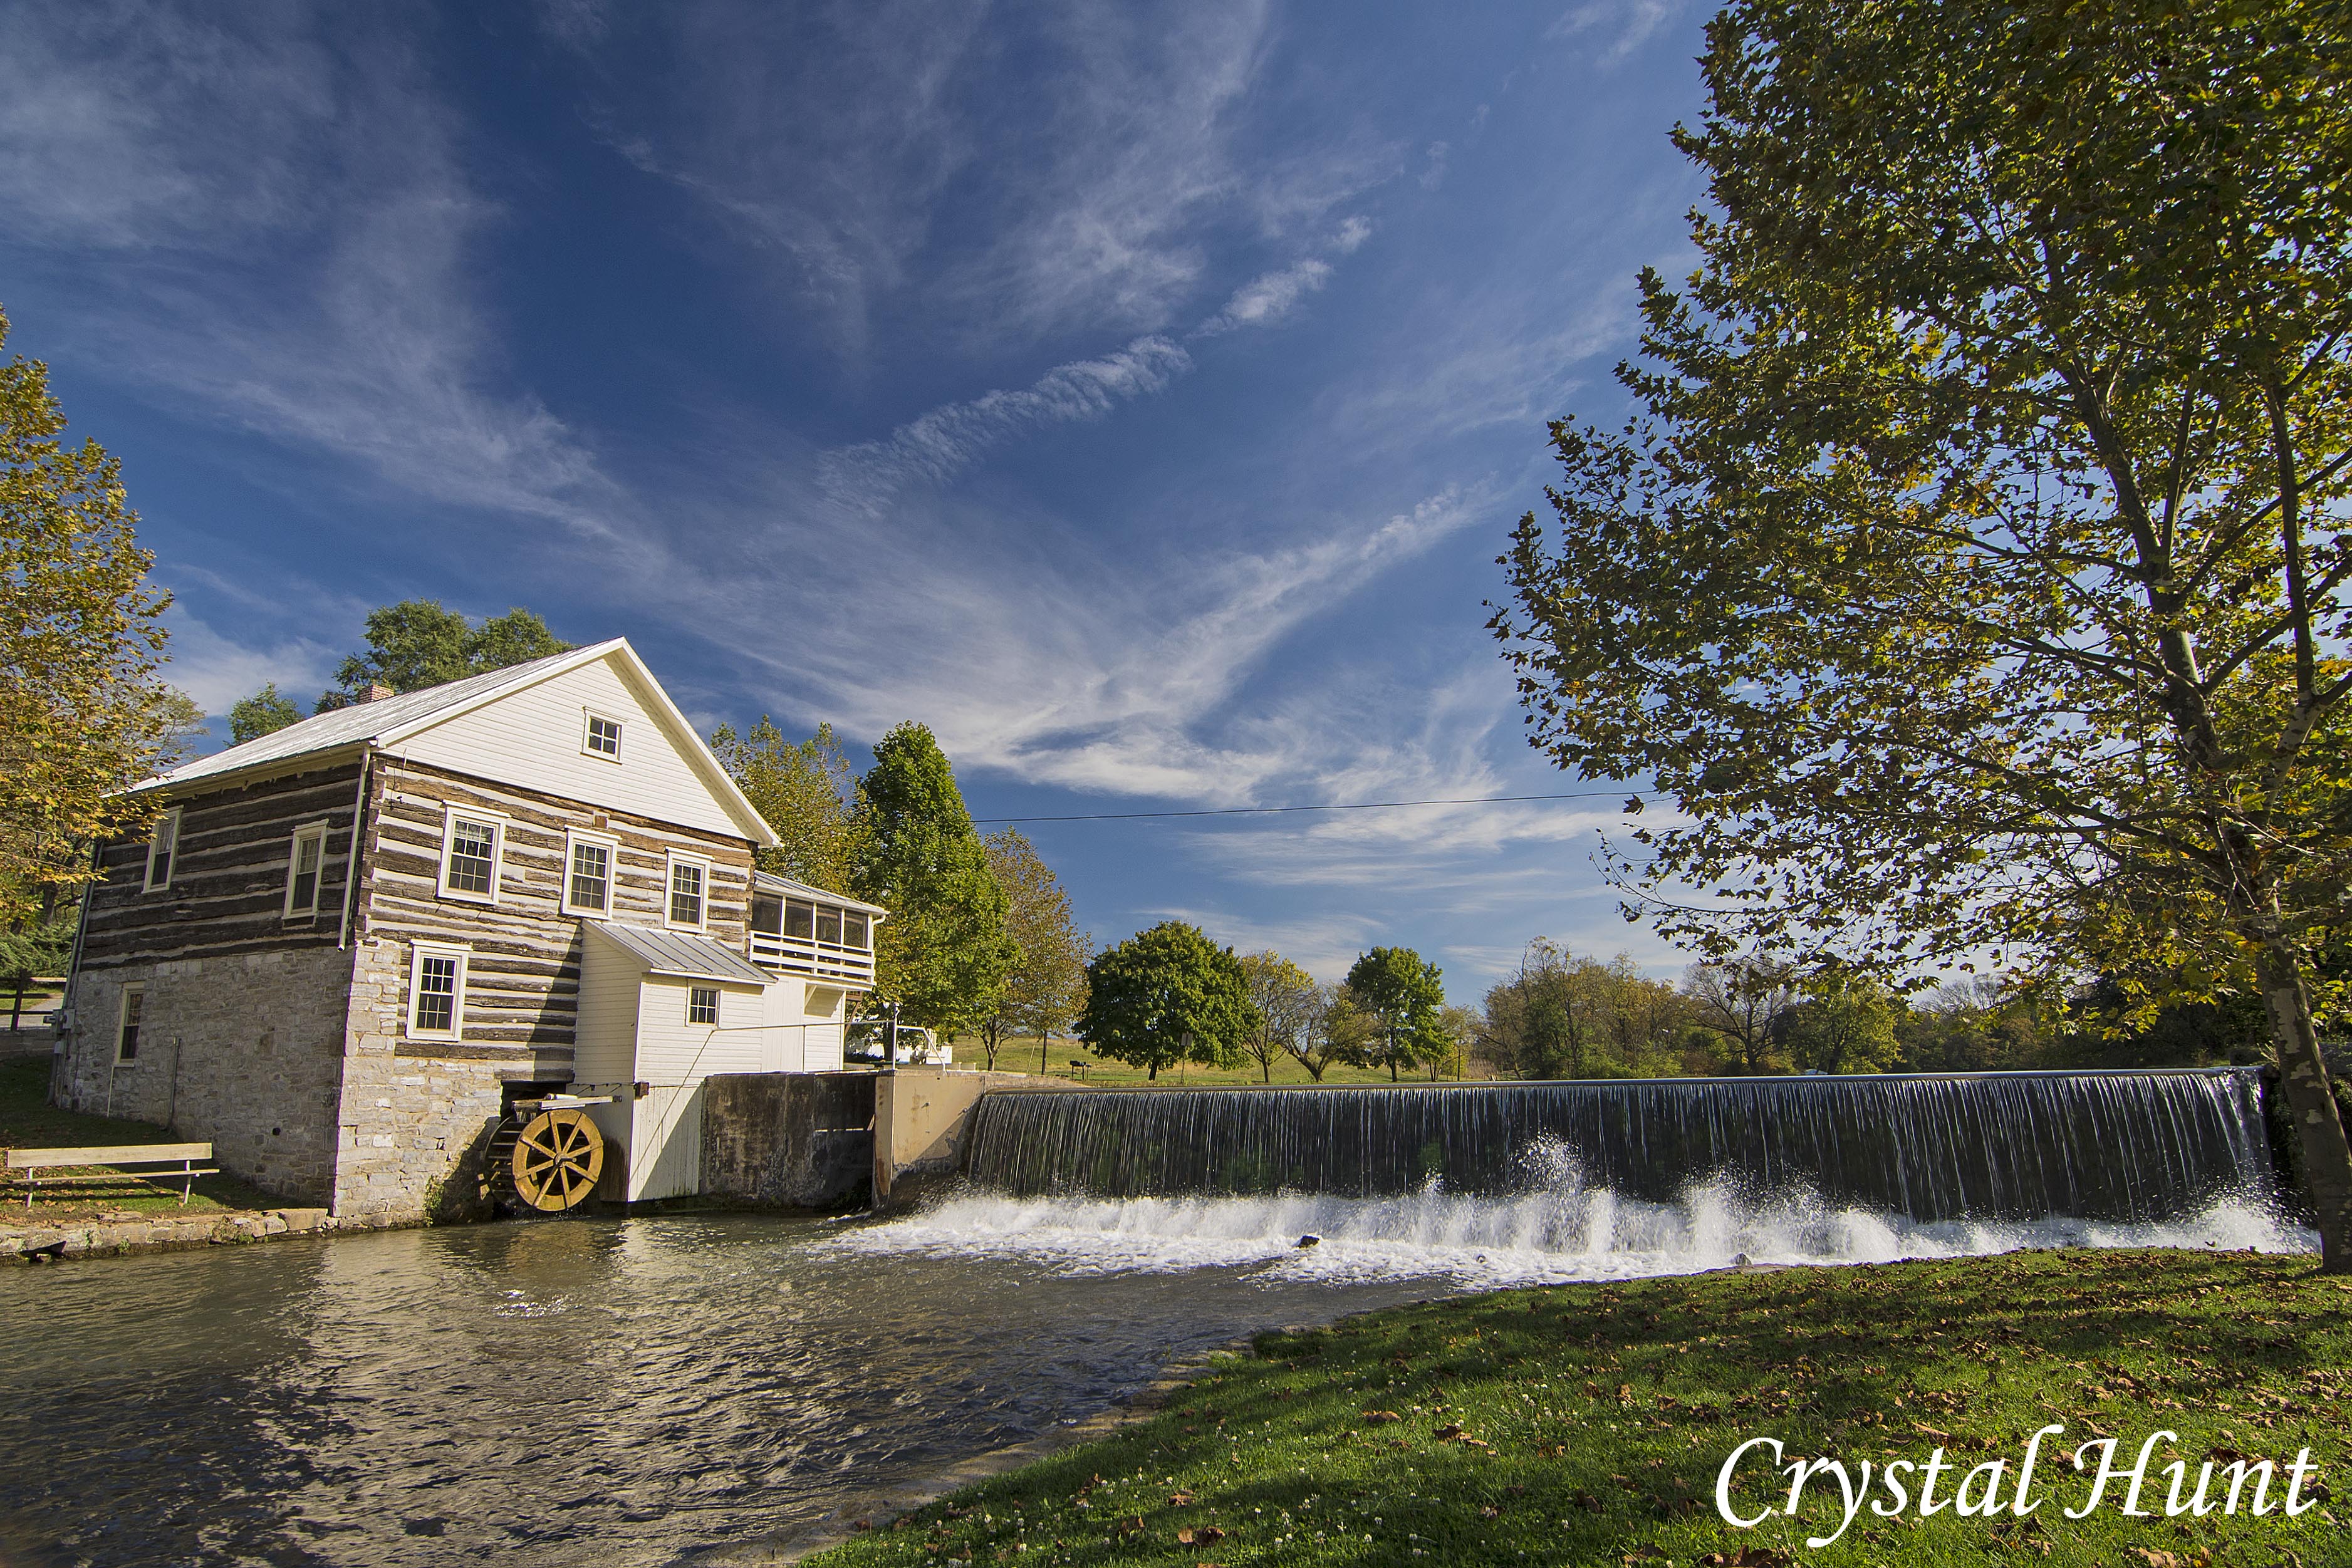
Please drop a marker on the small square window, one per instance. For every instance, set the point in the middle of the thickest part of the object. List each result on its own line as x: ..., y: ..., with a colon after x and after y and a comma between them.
x: 686, y: 893
x: 126, y: 1034
x: 702, y: 1004
x: 603, y: 737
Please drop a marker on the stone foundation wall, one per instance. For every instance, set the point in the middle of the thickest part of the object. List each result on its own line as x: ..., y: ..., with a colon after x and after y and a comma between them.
x: 412, y: 1130
x: 243, y: 1051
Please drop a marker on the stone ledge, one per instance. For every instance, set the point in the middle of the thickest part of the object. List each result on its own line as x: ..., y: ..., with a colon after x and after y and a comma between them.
x: 22, y: 1244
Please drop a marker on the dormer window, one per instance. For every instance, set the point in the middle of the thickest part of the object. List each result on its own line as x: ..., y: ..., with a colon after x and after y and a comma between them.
x: 602, y: 737
x: 162, y: 850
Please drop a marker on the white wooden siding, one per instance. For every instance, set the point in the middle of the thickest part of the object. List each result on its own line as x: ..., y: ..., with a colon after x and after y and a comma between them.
x: 605, y: 1048
x: 820, y: 1047
x: 666, y: 1144
x: 532, y: 738
x: 672, y: 1050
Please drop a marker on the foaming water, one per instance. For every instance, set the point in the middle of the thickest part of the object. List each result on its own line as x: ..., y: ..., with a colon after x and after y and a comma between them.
x: 1549, y: 1235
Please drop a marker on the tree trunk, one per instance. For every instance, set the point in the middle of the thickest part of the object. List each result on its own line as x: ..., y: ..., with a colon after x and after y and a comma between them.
x: 1042, y: 1038
x: 2318, y: 1127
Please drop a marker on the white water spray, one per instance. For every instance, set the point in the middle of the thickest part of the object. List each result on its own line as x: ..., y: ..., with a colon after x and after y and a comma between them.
x: 1551, y: 1234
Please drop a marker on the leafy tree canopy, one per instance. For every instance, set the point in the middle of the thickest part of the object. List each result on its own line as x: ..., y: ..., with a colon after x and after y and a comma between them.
x: 1046, y: 987
x: 81, y: 714
x: 1404, y: 995
x: 1974, y: 571
x: 1287, y: 1001
x: 944, y: 953
x: 1845, y: 1024
x: 417, y: 644
x: 1165, y: 996
x: 806, y: 791
x: 266, y: 712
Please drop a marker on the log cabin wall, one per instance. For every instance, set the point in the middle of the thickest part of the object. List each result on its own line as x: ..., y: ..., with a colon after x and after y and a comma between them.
x: 241, y: 1010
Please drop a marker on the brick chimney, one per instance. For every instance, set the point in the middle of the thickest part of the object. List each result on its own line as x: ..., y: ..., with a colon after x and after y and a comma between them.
x: 373, y: 691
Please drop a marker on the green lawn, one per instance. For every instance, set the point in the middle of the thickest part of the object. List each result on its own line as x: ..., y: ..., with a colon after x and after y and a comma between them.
x: 1586, y: 1425
x: 1068, y: 1059
x: 27, y: 1121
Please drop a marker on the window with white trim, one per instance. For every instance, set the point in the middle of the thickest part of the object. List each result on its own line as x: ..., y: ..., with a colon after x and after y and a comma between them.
x: 162, y: 850
x: 473, y: 846
x: 690, y: 891
x: 304, y: 867
x: 436, y: 991
x: 600, y: 736
x: 702, y: 1004
x: 131, y: 1013
x: 588, y: 866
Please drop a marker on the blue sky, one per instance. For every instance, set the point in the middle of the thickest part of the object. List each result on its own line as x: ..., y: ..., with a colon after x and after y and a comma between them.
x: 1138, y: 395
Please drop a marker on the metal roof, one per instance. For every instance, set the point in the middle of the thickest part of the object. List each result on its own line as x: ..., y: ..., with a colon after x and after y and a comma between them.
x: 684, y: 956
x: 786, y: 887
x: 371, y: 721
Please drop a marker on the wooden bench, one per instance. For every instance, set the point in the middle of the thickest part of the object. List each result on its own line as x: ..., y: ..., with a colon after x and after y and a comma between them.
x: 185, y: 1155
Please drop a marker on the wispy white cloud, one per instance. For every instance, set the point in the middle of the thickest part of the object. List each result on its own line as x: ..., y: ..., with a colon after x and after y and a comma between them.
x: 217, y: 671
x: 940, y: 444
x: 1620, y: 26
x: 1269, y: 297
x: 1432, y: 172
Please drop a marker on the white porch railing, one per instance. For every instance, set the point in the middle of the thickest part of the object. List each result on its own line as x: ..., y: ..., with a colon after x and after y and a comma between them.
x: 852, y: 967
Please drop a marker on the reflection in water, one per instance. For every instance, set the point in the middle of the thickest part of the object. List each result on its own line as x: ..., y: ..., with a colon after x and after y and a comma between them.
x: 630, y: 1392
x: 641, y: 1388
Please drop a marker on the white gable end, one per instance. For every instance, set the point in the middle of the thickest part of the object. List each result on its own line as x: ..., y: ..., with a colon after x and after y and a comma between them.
x: 538, y: 738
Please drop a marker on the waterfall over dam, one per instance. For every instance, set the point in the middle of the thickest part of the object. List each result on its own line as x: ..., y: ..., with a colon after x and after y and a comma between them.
x: 2130, y: 1147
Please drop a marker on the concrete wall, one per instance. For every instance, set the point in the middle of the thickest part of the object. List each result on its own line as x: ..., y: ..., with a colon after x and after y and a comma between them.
x: 920, y: 1117
x: 802, y: 1140
x: 243, y: 1051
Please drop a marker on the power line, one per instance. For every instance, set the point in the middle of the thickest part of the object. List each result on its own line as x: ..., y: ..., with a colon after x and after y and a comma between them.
x: 1271, y: 810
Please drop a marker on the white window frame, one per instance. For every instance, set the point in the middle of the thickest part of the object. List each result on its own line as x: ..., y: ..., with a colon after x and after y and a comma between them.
x: 670, y: 886
x: 136, y: 991
x: 718, y: 1006
x: 499, y: 823
x: 612, y: 848
x: 588, y: 717
x: 418, y: 952
x: 170, y: 819
x: 309, y: 832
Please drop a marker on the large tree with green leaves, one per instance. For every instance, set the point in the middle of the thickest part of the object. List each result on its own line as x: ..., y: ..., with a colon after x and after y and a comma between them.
x: 266, y: 712
x: 1405, y: 997
x: 1973, y: 574
x: 943, y: 954
x: 1165, y: 996
x: 82, y: 712
x: 805, y: 790
x: 1046, y: 989
x: 1287, y: 1001
x: 418, y: 643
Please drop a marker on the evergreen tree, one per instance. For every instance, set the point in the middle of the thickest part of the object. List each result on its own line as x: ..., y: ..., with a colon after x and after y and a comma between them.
x: 943, y: 955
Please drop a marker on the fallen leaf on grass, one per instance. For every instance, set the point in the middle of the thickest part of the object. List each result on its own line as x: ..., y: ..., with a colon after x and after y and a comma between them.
x: 1380, y: 1418
x: 1130, y: 1525
x: 1180, y: 1500
x: 1206, y: 1535
x: 1447, y: 1433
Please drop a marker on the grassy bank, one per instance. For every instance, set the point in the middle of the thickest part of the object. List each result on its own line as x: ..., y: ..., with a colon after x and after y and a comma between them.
x: 1586, y: 1423
x: 27, y: 1121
